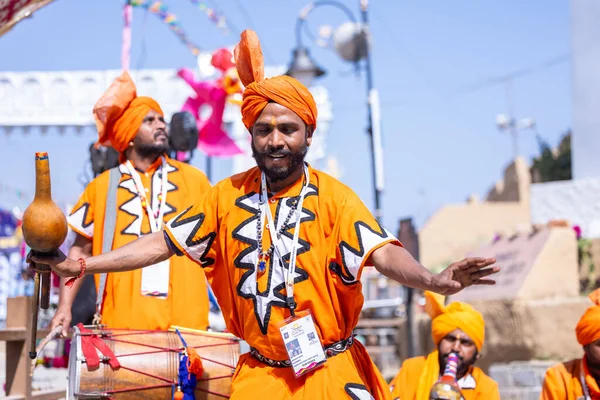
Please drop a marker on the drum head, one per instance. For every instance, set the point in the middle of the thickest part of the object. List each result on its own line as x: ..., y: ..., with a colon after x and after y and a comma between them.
x: 75, y: 358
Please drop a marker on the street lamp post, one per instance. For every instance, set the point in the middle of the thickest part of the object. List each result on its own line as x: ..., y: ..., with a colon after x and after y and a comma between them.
x: 513, y: 126
x: 305, y: 70
x: 510, y: 124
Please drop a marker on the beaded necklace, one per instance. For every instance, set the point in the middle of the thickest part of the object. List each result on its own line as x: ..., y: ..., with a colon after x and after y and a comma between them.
x: 263, y: 256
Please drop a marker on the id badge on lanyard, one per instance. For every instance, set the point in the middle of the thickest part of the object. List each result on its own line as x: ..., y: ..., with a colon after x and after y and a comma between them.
x: 155, y: 278
x: 298, y: 332
x: 302, y: 342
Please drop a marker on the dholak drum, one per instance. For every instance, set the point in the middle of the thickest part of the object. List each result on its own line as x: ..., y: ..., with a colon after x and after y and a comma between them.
x: 150, y: 364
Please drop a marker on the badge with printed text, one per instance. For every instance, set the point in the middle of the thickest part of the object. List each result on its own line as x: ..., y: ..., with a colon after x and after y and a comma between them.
x: 155, y: 280
x: 302, y: 343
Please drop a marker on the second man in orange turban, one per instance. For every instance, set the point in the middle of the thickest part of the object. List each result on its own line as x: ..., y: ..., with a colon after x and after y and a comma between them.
x: 457, y: 328
x: 152, y: 189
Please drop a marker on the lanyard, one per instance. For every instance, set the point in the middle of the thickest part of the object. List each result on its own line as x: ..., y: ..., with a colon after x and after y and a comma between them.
x: 586, y: 391
x: 289, y: 281
x: 156, y: 219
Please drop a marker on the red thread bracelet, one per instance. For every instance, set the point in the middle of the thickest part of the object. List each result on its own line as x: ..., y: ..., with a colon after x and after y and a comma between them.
x: 82, y: 266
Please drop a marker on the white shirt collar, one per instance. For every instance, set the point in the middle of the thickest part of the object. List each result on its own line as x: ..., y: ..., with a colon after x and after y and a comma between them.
x: 467, y: 382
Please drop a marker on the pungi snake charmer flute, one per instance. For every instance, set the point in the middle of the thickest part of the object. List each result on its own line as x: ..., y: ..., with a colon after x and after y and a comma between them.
x: 44, y: 230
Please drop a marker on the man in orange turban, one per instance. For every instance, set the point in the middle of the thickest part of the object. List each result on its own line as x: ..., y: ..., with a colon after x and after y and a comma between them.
x: 579, y: 378
x: 457, y: 328
x: 284, y: 246
x: 152, y: 189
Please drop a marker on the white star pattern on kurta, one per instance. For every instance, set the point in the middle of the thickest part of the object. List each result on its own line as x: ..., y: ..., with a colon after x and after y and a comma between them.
x: 156, y: 189
x: 133, y: 206
x: 246, y: 232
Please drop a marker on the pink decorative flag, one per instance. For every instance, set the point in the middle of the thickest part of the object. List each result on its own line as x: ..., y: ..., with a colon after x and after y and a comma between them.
x: 213, y: 140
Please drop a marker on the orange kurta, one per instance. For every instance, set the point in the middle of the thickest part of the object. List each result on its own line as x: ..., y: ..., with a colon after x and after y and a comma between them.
x: 337, y: 235
x: 562, y: 382
x: 404, y: 385
x: 124, y: 306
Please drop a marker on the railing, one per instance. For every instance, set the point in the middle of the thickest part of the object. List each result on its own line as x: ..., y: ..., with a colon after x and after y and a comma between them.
x: 18, y: 364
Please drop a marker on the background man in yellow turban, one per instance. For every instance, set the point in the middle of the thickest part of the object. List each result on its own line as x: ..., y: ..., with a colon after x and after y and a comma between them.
x: 579, y: 378
x: 283, y: 240
x: 152, y: 189
x: 456, y: 328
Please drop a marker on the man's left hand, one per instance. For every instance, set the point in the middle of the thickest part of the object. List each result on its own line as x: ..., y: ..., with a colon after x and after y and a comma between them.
x: 462, y: 274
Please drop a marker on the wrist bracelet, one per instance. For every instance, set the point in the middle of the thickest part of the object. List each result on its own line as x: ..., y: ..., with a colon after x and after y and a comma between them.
x: 82, y: 267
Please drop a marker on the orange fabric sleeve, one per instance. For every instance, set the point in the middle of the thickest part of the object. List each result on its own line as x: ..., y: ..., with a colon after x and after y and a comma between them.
x: 81, y: 218
x: 194, y: 230
x: 487, y: 388
x: 555, y: 384
x: 357, y: 235
x: 404, y: 384
x: 562, y: 382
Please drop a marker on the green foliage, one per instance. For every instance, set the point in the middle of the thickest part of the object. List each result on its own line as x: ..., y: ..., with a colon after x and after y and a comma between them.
x: 552, y: 165
x: 586, y: 264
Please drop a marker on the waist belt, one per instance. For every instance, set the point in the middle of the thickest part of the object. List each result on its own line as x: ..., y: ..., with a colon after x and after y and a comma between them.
x: 330, y: 350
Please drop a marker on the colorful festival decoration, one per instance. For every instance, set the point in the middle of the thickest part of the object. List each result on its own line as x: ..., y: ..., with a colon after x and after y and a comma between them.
x: 218, y: 19
x: 14, y: 11
x: 213, y: 140
x: 158, y: 8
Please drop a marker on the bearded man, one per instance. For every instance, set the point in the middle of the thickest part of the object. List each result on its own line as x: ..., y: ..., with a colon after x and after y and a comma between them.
x: 457, y: 328
x: 284, y: 246
x: 148, y: 189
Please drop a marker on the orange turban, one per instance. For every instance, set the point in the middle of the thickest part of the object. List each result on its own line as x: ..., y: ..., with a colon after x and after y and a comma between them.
x: 283, y: 90
x: 457, y: 315
x: 588, y: 328
x: 446, y: 319
x: 120, y: 112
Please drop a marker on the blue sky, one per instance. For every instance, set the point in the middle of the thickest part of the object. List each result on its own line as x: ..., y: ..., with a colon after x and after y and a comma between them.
x: 440, y: 140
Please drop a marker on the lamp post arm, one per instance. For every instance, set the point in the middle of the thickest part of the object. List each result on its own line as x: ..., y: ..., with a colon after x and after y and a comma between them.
x: 304, y: 13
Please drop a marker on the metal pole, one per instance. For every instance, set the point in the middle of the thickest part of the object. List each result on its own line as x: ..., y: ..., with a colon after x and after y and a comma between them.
x: 410, y: 318
x: 209, y: 168
x: 512, y: 122
x: 370, y: 99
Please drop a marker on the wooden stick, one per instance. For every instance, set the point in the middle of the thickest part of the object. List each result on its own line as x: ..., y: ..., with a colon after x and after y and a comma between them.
x: 34, y: 316
x: 45, y: 299
x: 224, y: 335
x: 53, y: 333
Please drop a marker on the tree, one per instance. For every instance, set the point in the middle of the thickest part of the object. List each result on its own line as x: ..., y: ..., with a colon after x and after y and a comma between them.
x: 553, y: 164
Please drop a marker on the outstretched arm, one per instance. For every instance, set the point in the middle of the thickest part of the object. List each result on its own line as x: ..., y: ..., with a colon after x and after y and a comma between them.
x: 147, y: 250
x: 397, y: 263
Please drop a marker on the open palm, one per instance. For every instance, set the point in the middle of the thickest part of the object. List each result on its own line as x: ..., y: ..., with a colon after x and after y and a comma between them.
x: 461, y: 274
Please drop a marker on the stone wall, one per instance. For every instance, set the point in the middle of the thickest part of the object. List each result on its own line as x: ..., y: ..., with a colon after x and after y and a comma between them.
x: 520, y: 380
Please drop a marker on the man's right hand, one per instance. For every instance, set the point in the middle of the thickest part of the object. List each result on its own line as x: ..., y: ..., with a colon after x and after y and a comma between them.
x: 62, y: 317
x: 60, y: 264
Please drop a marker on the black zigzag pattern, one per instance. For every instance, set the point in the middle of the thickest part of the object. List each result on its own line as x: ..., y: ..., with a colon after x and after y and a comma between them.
x: 190, y: 241
x: 342, y: 270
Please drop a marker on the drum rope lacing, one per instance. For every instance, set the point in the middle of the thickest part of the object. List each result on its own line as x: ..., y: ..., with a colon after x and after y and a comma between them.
x: 105, y: 336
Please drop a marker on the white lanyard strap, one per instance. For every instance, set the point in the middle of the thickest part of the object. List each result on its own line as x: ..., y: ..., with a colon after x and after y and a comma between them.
x: 155, y: 219
x: 289, y: 284
x: 586, y: 391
